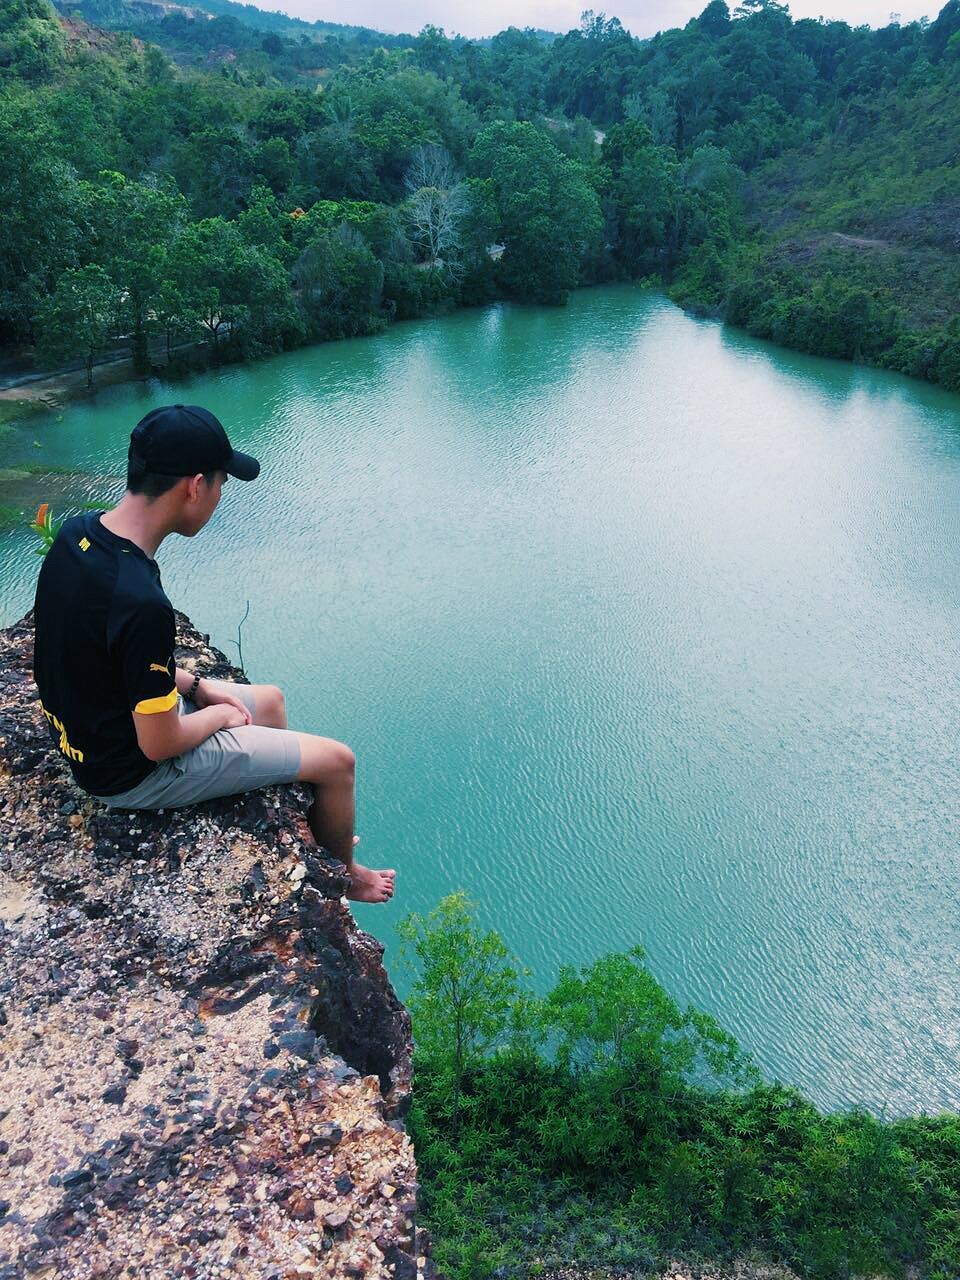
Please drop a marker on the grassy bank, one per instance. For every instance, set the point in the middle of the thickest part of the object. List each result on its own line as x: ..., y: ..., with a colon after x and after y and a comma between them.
x: 14, y: 407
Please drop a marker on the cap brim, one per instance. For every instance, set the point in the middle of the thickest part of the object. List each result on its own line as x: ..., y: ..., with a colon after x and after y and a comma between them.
x: 243, y: 466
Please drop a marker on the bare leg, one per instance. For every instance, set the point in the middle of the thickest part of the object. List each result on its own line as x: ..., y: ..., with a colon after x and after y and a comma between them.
x: 330, y: 767
x: 271, y: 708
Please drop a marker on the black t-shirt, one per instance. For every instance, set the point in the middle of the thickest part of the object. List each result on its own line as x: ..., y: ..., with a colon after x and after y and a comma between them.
x: 105, y: 633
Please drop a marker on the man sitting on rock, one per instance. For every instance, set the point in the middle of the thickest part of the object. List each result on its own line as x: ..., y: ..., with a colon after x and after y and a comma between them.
x: 139, y: 732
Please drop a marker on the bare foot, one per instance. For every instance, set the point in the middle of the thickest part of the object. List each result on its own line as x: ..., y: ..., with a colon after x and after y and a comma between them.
x: 370, y: 886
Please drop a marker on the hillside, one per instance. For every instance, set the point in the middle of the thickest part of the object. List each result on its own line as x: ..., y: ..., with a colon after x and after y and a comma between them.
x: 872, y: 201
x: 123, y: 15
x: 799, y: 178
x: 222, y: 31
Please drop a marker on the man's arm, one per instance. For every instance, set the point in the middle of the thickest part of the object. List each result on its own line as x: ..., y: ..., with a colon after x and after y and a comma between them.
x: 142, y: 642
x: 165, y: 734
x: 183, y: 680
x: 209, y: 692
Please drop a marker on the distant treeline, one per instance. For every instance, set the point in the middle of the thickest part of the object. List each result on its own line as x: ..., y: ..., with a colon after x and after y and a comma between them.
x: 262, y: 188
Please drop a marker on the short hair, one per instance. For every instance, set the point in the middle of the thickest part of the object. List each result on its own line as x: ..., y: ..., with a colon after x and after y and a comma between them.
x: 151, y: 484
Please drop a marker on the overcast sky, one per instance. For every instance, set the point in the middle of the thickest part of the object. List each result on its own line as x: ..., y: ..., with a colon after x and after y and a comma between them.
x: 642, y: 17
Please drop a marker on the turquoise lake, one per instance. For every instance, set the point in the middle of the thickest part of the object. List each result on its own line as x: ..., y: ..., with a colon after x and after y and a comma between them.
x: 642, y: 631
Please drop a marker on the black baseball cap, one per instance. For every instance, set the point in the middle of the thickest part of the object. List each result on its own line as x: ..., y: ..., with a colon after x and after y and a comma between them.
x: 183, y: 440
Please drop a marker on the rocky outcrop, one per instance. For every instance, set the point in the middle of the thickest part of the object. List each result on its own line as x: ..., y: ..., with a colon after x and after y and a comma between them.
x: 204, y: 1065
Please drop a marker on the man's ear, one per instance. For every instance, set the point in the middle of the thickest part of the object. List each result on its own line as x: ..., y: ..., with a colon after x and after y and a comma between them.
x: 193, y: 486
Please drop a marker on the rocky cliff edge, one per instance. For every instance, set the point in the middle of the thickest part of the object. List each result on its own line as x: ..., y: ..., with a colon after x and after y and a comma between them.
x: 204, y: 1066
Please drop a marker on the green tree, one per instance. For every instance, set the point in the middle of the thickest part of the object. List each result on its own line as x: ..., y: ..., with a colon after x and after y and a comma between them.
x: 339, y: 284
x: 78, y: 318
x: 332, y: 163
x: 549, y: 214
x: 31, y: 41
x: 715, y: 19
x: 132, y: 225
x: 480, y: 228
x: 214, y: 168
x: 615, y: 1013
x: 39, y: 213
x: 465, y: 993
x: 157, y: 71
x: 264, y: 225
x: 232, y: 287
x: 434, y: 50
x: 642, y: 199
x: 273, y: 164
x: 172, y: 314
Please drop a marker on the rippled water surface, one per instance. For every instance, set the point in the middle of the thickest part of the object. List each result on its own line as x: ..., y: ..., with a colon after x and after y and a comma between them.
x: 641, y: 631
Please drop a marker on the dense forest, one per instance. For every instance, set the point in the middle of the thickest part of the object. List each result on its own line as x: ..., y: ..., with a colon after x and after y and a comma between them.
x: 194, y: 178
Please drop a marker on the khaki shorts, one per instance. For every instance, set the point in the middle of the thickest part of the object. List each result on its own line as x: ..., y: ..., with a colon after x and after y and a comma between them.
x: 227, y: 763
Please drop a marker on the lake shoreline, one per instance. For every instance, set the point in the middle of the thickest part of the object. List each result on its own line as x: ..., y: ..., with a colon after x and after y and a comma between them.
x: 62, y: 388
x: 67, y: 386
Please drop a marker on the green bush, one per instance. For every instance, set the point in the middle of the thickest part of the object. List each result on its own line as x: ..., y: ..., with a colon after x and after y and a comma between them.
x: 603, y: 1125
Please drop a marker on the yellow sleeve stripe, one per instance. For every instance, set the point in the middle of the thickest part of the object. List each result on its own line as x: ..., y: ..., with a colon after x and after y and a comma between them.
x: 150, y: 706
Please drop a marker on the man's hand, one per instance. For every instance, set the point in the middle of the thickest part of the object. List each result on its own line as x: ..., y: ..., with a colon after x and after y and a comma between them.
x: 210, y: 695
x: 235, y: 714
x: 166, y: 734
